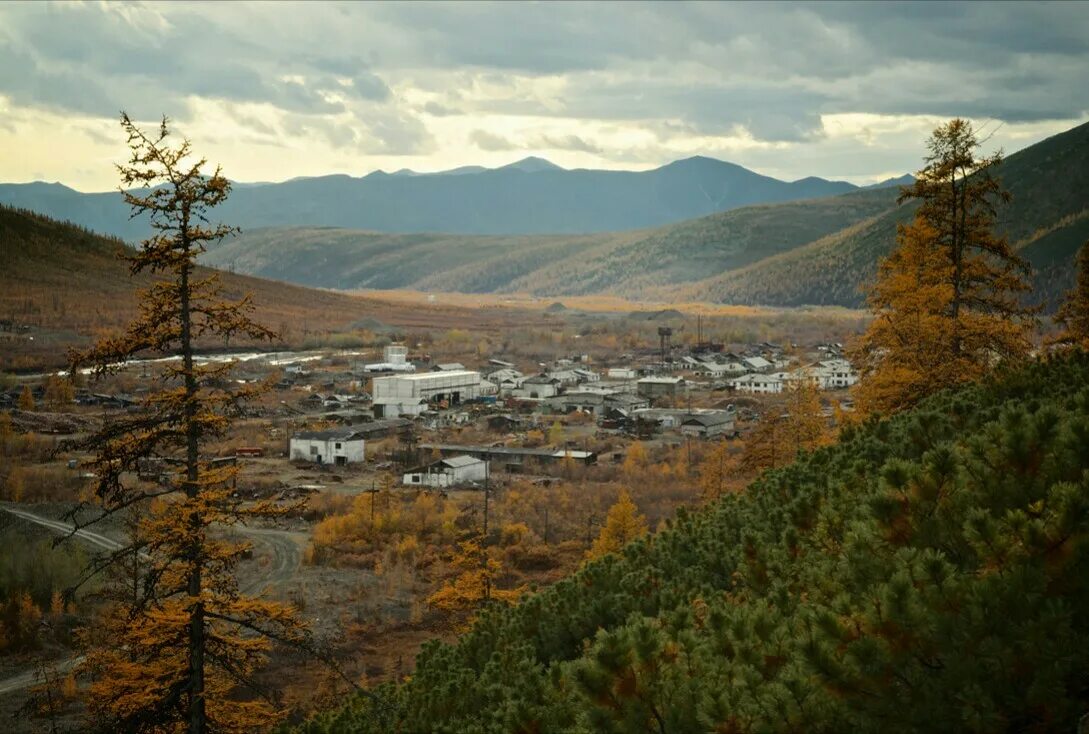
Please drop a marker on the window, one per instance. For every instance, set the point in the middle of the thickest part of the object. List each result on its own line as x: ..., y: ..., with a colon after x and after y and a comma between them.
x: 313, y: 450
x: 338, y: 445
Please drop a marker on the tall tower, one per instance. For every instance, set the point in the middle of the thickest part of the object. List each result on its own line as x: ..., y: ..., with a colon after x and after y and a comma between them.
x: 665, y: 339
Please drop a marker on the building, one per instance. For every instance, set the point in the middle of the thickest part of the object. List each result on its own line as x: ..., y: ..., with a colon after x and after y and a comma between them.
x: 838, y: 373
x: 756, y: 364
x: 660, y: 387
x: 538, y: 386
x: 514, y: 458
x: 394, y: 359
x: 449, y: 367
x: 596, y: 403
x: 622, y: 373
x: 708, y: 424
x: 342, y: 446
x: 398, y: 395
x: 757, y: 384
x: 447, y: 472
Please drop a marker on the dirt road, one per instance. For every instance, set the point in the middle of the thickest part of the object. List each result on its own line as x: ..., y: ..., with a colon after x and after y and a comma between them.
x: 283, y: 547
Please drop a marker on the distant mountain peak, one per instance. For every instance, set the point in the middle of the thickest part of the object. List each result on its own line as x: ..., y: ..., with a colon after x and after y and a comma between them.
x: 531, y: 164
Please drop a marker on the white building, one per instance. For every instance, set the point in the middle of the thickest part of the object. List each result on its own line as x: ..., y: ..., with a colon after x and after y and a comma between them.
x: 622, y: 373
x: 344, y: 446
x: 757, y: 384
x: 394, y: 359
x: 448, y: 472
x: 410, y: 394
x: 757, y: 364
x: 538, y: 386
x: 838, y: 373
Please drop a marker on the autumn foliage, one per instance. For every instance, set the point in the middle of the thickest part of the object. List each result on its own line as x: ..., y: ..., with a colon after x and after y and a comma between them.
x: 948, y: 302
x: 179, y: 652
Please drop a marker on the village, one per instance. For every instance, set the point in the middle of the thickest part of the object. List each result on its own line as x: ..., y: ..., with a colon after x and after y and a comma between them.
x: 386, y: 458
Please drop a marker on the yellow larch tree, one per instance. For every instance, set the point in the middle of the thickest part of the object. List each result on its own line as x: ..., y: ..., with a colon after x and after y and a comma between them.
x: 948, y: 302
x: 719, y: 471
x: 474, y: 584
x: 176, y: 654
x: 1073, y: 315
x: 623, y: 524
x: 26, y: 399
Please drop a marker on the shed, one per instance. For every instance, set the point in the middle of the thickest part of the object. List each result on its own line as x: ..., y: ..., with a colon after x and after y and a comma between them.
x: 447, y: 472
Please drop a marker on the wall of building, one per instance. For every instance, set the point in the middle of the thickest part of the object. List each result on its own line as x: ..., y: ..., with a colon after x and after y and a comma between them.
x: 310, y: 449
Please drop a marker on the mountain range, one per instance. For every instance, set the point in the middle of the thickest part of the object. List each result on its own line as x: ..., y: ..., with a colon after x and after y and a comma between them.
x: 810, y: 252
x: 531, y: 196
x: 821, y: 249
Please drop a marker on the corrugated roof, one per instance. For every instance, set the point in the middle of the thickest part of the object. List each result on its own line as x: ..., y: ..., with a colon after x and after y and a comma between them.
x: 455, y: 462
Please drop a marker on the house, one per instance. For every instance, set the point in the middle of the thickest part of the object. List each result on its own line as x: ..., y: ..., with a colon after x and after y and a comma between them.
x: 622, y: 373
x: 341, y: 446
x: 448, y: 367
x: 584, y: 375
x: 757, y: 384
x: 410, y: 394
x: 538, y: 386
x: 838, y: 373
x: 447, y: 472
x: 708, y: 424
x: 756, y: 364
x: 660, y: 387
x: 565, y: 377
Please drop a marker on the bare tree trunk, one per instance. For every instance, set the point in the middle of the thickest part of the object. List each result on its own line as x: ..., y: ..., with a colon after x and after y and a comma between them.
x: 192, y: 466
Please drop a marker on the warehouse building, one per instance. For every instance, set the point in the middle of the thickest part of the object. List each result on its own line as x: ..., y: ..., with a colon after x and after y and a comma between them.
x: 399, y: 395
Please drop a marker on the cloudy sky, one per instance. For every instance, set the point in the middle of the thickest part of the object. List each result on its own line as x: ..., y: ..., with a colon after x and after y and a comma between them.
x: 277, y: 90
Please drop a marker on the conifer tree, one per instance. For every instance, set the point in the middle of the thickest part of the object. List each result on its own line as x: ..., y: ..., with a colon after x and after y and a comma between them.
x: 26, y: 399
x: 623, y: 524
x: 947, y: 302
x: 188, y: 641
x: 1073, y: 315
x: 716, y: 471
x: 783, y: 432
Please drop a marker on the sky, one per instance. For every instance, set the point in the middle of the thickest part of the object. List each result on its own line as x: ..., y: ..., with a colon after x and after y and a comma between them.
x: 272, y: 91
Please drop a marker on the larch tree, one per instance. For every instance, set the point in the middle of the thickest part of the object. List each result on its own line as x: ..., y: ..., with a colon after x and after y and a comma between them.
x: 180, y: 651
x: 26, y: 399
x: 623, y: 524
x: 948, y: 302
x: 1073, y: 315
x: 797, y: 425
x: 718, y: 471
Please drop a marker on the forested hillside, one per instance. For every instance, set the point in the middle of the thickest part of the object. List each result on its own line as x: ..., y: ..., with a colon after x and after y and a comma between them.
x: 622, y: 262
x: 1046, y: 220
x: 928, y: 573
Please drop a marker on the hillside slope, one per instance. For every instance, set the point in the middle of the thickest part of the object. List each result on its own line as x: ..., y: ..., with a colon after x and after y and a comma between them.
x: 622, y: 262
x: 69, y: 285
x: 1049, y: 182
x: 928, y: 573
x: 526, y: 197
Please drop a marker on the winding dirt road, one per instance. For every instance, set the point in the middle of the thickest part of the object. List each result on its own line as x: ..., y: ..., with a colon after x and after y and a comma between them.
x: 283, y: 547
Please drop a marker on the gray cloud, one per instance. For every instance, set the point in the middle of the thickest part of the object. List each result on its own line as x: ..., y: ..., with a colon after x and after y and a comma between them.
x: 674, y: 69
x: 490, y: 141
